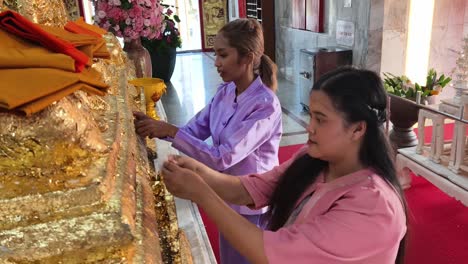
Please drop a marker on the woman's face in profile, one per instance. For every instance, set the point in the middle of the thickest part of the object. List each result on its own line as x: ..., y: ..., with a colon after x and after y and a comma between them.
x: 230, y: 67
x: 329, y: 136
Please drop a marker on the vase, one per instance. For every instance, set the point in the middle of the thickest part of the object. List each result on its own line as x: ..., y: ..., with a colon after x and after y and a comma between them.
x: 403, y: 115
x: 140, y: 56
x: 163, y: 63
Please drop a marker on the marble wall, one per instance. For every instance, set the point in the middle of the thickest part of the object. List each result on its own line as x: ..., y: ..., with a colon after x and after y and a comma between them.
x: 450, y: 18
x: 450, y: 24
x: 465, y: 27
x: 367, y: 16
x: 395, y: 34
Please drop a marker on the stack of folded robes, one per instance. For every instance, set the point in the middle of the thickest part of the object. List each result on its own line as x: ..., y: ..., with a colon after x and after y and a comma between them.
x: 42, y: 64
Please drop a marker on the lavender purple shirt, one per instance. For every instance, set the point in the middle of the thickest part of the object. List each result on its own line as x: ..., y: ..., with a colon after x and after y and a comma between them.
x: 357, y: 218
x: 245, y: 131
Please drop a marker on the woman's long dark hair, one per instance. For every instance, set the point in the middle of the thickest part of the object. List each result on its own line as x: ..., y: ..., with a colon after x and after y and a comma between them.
x: 360, y: 96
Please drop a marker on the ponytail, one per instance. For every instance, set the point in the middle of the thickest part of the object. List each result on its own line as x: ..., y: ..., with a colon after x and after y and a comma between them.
x: 267, y: 71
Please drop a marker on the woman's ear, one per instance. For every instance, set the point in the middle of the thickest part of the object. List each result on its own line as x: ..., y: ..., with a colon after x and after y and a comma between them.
x: 359, y: 130
x: 248, y: 58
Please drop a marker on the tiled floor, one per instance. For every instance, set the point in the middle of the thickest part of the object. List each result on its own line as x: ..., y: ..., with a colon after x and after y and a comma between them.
x: 195, y: 81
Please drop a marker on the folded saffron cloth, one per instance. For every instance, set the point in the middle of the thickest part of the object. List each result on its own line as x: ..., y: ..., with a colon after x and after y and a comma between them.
x: 16, y: 52
x: 42, y: 86
x: 41, y: 103
x: 79, y: 26
x: 94, y: 47
x: 82, y: 23
x: 20, y: 26
x: 74, y: 27
x: 13, y: 58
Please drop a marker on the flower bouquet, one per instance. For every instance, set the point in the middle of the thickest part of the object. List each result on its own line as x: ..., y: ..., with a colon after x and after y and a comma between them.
x: 163, y: 48
x: 170, y: 37
x: 130, y: 19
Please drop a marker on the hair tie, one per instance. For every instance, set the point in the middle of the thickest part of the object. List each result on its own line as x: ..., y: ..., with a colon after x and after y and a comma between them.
x: 380, y: 115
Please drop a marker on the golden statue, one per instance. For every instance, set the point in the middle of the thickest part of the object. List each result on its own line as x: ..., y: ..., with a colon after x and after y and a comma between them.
x: 47, y: 12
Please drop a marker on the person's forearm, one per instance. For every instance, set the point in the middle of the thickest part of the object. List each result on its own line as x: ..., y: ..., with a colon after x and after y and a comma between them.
x: 228, y: 187
x: 241, y: 234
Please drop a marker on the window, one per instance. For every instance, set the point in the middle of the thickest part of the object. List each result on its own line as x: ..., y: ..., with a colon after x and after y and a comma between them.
x: 307, y: 15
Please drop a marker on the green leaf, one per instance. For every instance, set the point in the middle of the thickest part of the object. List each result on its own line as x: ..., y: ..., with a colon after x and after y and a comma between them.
x: 125, y: 5
x: 445, y: 82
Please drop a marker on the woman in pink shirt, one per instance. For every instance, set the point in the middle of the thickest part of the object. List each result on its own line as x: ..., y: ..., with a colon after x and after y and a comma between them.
x: 337, y: 201
x: 243, y: 119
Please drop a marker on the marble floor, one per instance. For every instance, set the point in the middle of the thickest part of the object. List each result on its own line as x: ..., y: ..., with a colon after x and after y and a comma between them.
x: 195, y: 81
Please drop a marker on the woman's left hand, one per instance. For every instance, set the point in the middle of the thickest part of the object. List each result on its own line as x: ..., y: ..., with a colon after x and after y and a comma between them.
x: 182, y: 182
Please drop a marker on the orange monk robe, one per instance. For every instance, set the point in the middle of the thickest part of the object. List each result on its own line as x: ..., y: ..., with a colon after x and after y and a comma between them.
x: 79, y: 26
x: 80, y: 22
x: 18, y: 53
x: 79, y: 29
x: 93, y: 46
x: 16, y: 24
x: 43, y: 86
x: 41, y: 103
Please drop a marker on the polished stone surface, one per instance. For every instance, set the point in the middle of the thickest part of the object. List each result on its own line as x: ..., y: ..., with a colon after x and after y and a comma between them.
x: 195, y: 81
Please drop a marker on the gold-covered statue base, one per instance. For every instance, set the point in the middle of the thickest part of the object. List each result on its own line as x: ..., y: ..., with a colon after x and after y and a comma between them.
x: 76, y: 185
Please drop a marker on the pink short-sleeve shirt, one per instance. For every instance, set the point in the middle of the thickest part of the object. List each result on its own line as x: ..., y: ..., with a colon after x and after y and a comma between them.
x: 357, y: 218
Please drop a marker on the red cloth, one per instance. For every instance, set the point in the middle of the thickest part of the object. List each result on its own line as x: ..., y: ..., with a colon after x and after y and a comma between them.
x: 20, y: 26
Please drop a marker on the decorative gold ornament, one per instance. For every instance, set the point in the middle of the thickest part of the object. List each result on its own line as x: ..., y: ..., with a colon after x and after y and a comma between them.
x: 73, y: 9
x: 10, y: 4
x: 47, y: 12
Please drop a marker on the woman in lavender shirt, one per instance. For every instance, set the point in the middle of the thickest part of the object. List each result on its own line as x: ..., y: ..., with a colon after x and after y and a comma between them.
x: 243, y: 118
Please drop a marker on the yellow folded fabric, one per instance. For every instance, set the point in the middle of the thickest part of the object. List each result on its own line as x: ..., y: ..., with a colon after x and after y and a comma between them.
x: 75, y: 39
x: 90, y: 45
x: 16, y: 52
x: 92, y: 77
x: 88, y: 50
x: 92, y: 90
x: 14, y: 58
x: 80, y: 21
x: 100, y: 50
x: 41, y: 103
x: 21, y: 86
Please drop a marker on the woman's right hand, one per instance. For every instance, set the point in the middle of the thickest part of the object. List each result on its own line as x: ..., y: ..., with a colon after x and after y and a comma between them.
x: 148, y: 127
x: 189, y: 163
x: 183, y: 182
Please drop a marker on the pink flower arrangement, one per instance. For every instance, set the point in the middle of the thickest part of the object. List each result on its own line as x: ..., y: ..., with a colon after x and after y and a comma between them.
x: 130, y: 19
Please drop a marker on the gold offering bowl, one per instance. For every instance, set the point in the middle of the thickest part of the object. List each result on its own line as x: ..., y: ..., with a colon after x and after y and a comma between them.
x: 153, y: 89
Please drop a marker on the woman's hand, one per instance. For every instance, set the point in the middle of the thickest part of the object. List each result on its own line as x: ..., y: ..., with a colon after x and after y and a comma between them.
x: 228, y: 187
x: 183, y: 182
x: 190, y: 163
x: 148, y: 127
